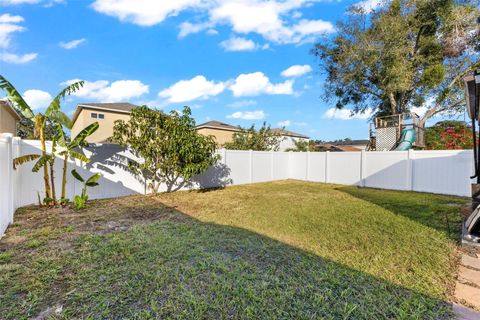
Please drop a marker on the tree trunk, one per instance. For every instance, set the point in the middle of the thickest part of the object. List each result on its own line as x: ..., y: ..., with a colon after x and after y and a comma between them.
x: 45, y: 167
x: 52, y: 178
x: 64, y: 175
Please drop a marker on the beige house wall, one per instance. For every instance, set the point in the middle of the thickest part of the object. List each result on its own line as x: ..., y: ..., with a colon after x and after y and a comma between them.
x: 105, y: 129
x: 8, y: 122
x: 221, y: 136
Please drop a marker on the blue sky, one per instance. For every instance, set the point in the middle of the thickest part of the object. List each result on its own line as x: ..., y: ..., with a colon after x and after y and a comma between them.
x: 236, y: 61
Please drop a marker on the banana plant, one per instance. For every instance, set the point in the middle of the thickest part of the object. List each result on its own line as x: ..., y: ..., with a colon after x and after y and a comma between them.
x: 53, y: 114
x: 69, y: 150
x: 81, y: 200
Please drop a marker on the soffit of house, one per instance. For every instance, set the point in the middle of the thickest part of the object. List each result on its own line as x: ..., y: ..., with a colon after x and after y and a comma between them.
x: 217, y: 125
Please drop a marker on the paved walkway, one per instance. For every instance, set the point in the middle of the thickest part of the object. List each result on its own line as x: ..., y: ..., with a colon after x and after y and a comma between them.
x: 467, y: 290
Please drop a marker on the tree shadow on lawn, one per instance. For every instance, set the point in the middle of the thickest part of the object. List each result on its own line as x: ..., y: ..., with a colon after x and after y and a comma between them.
x: 179, y: 267
x: 439, y: 212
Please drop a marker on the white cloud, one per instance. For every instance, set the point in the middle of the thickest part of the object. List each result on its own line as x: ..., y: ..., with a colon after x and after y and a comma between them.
x: 37, y: 99
x: 368, y: 6
x: 212, y: 32
x: 346, y: 114
x: 239, y: 44
x: 7, y: 18
x: 285, y: 123
x: 17, y: 59
x: 256, y: 83
x: 103, y: 90
x: 296, y: 70
x: 144, y: 12
x: 267, y: 18
x: 275, y: 20
x: 187, y: 28
x: 71, y: 44
x: 8, y: 26
x: 248, y: 115
x: 15, y: 2
x: 196, y: 88
x: 243, y: 103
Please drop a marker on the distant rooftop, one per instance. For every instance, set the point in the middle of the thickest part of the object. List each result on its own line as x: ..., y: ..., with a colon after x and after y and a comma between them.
x: 218, y: 125
x: 349, y: 143
x: 122, y: 107
x: 289, y: 133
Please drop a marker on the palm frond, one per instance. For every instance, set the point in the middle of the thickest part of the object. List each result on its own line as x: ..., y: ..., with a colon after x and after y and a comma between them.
x: 79, y: 156
x: 61, y: 118
x: 77, y: 176
x: 55, y: 104
x: 40, y: 163
x: 23, y: 159
x: 61, y: 138
x: 93, y: 180
x: 16, y: 98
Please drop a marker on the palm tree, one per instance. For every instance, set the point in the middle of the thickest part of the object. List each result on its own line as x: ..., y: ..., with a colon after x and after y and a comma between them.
x: 53, y: 114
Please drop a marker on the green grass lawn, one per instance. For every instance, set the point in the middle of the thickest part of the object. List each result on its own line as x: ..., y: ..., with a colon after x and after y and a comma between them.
x: 286, y: 249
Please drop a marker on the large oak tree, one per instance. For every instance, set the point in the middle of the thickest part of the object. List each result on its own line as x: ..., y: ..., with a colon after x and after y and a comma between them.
x: 404, y: 54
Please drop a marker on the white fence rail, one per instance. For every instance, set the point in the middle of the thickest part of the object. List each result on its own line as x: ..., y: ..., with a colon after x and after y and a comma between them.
x: 444, y: 172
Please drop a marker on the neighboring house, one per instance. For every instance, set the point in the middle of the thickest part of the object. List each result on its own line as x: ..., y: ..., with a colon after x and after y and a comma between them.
x: 288, y: 138
x: 8, y: 117
x: 222, y: 132
x: 105, y: 114
x: 358, y: 144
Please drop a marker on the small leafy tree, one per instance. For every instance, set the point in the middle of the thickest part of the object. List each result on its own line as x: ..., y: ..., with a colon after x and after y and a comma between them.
x: 80, y: 201
x: 303, y: 146
x: 171, y: 150
x: 449, y: 135
x: 263, y: 139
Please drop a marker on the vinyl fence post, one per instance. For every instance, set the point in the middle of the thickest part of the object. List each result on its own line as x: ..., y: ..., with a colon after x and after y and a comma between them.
x: 251, y: 165
x: 9, y: 177
x: 363, y: 168
x: 307, y: 165
x: 224, y: 156
x: 327, y: 158
x: 410, y: 157
x: 272, y: 160
x: 16, y: 151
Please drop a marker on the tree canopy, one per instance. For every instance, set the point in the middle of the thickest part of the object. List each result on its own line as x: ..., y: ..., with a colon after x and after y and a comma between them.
x: 263, y: 139
x: 405, y: 54
x: 171, y: 150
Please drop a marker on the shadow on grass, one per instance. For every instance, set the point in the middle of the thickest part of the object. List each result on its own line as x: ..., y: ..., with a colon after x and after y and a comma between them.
x: 439, y: 212
x: 179, y: 267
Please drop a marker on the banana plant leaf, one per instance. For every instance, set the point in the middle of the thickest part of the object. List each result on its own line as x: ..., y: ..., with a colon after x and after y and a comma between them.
x: 16, y: 98
x: 24, y: 159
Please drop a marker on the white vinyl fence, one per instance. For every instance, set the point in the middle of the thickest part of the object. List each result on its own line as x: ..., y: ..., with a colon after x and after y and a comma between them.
x: 443, y: 172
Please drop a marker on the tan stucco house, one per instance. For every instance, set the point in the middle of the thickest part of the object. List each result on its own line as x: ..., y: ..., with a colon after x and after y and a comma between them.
x: 8, y: 117
x: 222, y: 132
x: 105, y: 114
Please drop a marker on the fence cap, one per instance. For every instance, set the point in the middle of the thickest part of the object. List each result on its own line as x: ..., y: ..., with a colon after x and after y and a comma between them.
x: 6, y: 137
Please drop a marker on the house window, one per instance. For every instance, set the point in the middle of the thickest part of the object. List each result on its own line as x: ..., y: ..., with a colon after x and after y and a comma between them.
x: 101, y: 116
x: 94, y: 115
